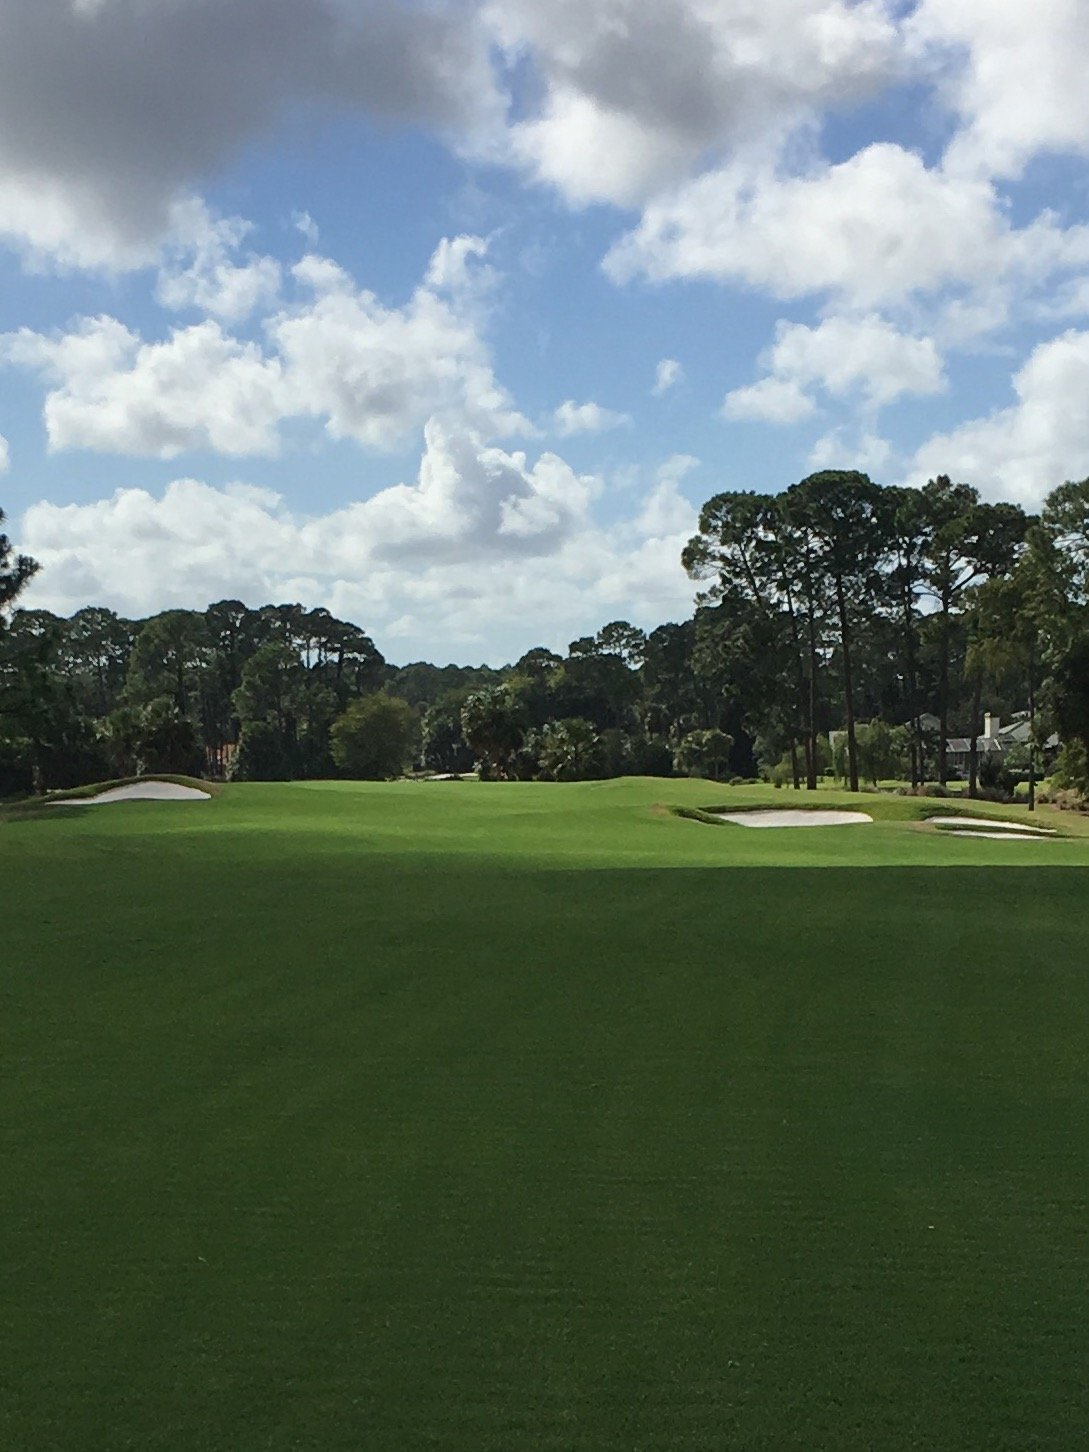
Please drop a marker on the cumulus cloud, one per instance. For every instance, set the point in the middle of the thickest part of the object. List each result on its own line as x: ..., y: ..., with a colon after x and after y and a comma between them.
x: 586, y: 418
x: 5, y: 455
x: 374, y: 373
x: 771, y: 400
x: 874, y: 229
x: 200, y: 270
x: 1024, y: 451
x: 371, y: 373
x: 665, y: 512
x: 869, y: 453
x: 109, y: 112
x: 866, y: 356
x: 199, y: 389
x: 633, y: 95
x: 483, y: 550
x: 667, y: 375
x: 1014, y: 74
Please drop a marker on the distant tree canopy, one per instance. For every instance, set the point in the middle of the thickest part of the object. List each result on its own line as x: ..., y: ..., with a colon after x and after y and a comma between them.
x: 881, y: 620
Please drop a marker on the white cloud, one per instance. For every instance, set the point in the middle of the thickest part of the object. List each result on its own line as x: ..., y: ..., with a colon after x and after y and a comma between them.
x: 869, y: 453
x: 199, y: 271
x: 1024, y: 451
x: 665, y: 512
x: 66, y: 225
x: 677, y: 466
x: 668, y: 374
x: 307, y: 228
x: 1014, y: 73
x: 845, y: 356
x: 771, y: 400
x: 1071, y: 300
x: 483, y: 553
x: 469, y: 501
x: 456, y: 266
x: 200, y: 389
x: 652, y: 88
x: 866, y: 353
x: 373, y: 374
x: 618, y: 101
x: 586, y: 418
x: 875, y: 229
x: 110, y: 112
x: 5, y: 455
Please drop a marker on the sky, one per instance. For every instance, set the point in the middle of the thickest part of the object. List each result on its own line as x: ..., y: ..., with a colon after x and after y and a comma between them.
x: 448, y: 316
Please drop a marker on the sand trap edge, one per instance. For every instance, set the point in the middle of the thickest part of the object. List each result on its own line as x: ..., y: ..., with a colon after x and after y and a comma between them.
x: 800, y: 817
x: 991, y: 824
x: 146, y: 791
x: 996, y: 836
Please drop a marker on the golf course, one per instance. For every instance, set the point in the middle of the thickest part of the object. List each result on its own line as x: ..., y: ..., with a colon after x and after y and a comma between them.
x: 473, y: 1116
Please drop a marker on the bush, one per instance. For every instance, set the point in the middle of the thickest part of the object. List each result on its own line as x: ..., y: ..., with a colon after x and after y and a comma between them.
x: 570, y: 750
x: 372, y: 739
x: 1066, y: 799
x: 995, y: 779
x: 260, y: 755
x: 444, y: 748
x: 704, y: 753
x: 994, y: 794
x: 652, y: 757
x: 1071, y: 774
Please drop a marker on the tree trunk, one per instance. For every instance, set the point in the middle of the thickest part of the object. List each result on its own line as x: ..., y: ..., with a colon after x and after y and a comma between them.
x: 848, y: 689
x: 912, y: 685
x: 810, y: 765
x: 811, y: 774
x: 794, y: 766
x: 1032, y: 732
x: 973, y: 740
x: 943, y: 695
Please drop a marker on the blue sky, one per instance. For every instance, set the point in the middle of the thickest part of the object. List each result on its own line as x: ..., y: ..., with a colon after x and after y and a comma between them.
x: 448, y: 316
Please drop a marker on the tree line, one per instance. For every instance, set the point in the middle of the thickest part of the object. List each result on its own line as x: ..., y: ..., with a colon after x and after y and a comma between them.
x: 839, y: 625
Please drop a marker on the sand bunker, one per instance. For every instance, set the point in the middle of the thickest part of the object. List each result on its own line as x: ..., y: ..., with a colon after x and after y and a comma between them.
x: 139, y: 791
x: 1000, y: 836
x: 819, y: 817
x: 995, y: 829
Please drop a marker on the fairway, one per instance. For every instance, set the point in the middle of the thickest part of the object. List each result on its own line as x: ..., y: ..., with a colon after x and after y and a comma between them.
x: 485, y: 1117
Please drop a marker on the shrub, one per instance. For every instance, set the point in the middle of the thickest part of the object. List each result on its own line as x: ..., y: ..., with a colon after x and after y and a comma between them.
x: 995, y: 777
x: 652, y: 757
x: 372, y: 739
x: 260, y: 755
x: 570, y: 750
x: 704, y: 753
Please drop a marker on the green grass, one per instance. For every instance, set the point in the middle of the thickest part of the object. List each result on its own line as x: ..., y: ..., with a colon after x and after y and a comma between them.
x: 497, y: 1117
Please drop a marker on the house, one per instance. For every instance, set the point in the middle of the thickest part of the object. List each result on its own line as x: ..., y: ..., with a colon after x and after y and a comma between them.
x: 997, y: 740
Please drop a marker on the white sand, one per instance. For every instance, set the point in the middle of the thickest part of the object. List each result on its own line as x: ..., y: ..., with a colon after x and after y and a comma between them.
x: 995, y: 827
x: 140, y: 791
x: 1001, y: 836
x: 819, y: 817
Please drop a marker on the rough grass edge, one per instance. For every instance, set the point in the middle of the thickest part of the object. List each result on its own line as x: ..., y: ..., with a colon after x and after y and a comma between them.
x: 702, y: 814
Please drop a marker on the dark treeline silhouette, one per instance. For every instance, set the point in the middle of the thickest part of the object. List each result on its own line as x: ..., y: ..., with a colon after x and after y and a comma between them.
x: 839, y: 625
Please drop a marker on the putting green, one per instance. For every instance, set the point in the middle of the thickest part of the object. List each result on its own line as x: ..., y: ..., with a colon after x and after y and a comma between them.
x: 339, y: 1116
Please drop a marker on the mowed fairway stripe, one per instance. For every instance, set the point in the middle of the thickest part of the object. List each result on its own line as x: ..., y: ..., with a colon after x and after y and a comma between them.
x: 334, y: 1122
